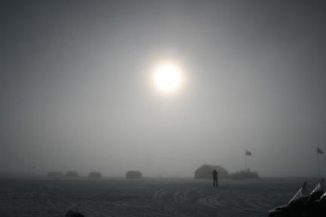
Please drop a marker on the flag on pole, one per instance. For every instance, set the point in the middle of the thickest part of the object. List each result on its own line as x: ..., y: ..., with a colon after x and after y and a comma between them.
x: 248, y: 153
x: 319, y: 151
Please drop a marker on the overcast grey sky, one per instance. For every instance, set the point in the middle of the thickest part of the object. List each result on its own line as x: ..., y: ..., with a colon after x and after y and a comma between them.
x: 75, y: 95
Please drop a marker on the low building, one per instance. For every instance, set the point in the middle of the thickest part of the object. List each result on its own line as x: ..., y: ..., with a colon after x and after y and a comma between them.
x: 54, y: 174
x: 95, y: 175
x: 205, y: 172
x: 244, y: 174
x: 71, y: 174
x: 132, y: 174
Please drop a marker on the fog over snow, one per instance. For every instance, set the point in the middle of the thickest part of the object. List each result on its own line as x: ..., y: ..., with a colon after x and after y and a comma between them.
x: 76, y: 93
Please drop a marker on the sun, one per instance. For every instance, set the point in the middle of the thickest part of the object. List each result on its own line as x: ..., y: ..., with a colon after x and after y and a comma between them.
x: 167, y: 77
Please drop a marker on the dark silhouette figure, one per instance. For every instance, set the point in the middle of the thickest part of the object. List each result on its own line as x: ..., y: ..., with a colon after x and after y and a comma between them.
x: 215, y: 178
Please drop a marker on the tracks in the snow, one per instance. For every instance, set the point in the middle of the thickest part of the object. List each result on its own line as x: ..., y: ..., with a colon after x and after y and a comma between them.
x: 141, y: 198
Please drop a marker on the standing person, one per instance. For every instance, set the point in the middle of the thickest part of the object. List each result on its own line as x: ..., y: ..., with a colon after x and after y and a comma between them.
x: 215, y: 178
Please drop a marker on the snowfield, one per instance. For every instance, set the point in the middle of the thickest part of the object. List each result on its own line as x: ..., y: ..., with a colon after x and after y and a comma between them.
x: 146, y: 197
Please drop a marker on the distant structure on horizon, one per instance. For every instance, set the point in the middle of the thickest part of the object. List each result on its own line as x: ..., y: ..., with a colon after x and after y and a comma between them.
x: 205, y: 172
x: 95, y: 175
x: 244, y: 174
x: 132, y: 174
x: 72, y: 174
x: 54, y: 174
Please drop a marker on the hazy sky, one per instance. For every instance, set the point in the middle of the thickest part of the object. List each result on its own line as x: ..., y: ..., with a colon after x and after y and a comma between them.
x: 75, y: 91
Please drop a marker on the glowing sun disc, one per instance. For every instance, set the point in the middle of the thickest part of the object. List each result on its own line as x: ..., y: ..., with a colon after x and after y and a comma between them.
x: 167, y: 77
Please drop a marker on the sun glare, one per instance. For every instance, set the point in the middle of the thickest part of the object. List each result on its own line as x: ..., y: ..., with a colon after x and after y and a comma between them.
x: 167, y: 77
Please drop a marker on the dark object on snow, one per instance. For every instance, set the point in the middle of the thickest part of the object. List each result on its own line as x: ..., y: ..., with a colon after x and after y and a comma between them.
x: 205, y: 172
x: 72, y: 213
x: 72, y: 174
x: 132, y: 174
x: 54, y: 174
x: 96, y: 175
x: 304, y: 204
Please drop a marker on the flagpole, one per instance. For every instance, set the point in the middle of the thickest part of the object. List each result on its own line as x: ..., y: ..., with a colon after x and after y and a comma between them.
x: 245, y: 161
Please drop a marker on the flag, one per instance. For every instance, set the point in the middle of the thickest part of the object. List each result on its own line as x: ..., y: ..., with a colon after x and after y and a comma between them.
x: 248, y: 153
x: 319, y: 151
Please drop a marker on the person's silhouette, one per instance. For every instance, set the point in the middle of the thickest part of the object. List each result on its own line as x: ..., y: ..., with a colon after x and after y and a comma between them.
x: 215, y: 178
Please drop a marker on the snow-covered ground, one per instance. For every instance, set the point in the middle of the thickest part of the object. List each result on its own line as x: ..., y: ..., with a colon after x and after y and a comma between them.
x: 147, y: 197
